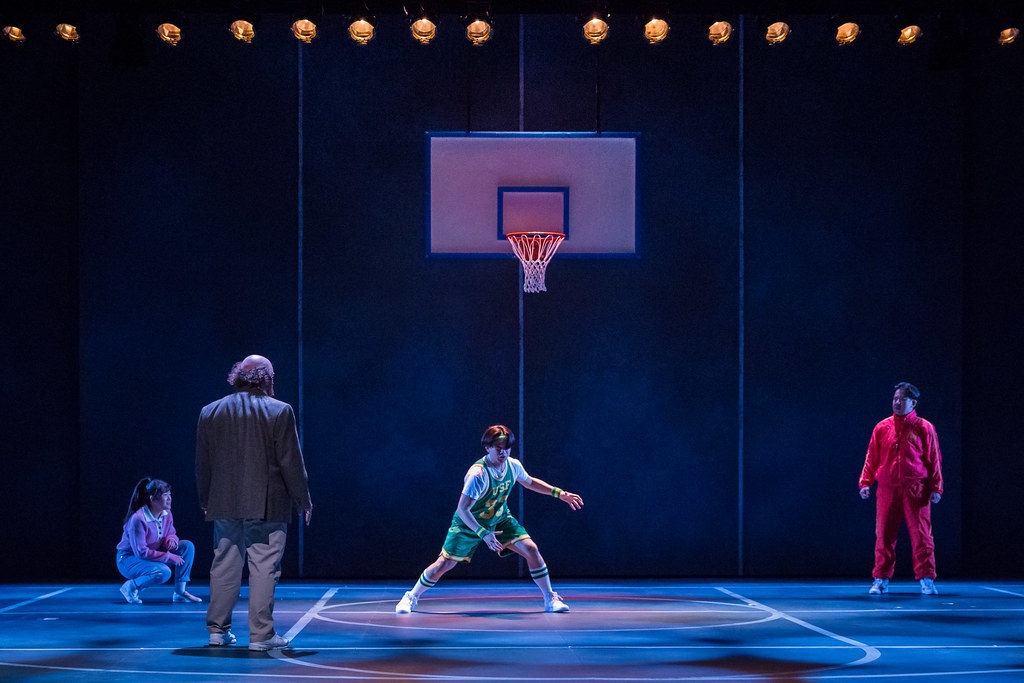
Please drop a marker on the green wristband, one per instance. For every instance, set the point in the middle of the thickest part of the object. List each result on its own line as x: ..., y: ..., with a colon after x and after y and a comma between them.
x: 482, y: 531
x: 556, y: 492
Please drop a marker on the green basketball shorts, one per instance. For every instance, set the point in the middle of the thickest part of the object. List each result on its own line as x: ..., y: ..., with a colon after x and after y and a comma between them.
x: 461, y: 543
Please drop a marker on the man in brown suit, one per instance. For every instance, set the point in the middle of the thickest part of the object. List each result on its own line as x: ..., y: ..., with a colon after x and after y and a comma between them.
x: 250, y: 473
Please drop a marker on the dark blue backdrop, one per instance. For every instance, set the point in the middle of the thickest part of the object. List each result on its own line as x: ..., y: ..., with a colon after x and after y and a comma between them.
x: 155, y: 202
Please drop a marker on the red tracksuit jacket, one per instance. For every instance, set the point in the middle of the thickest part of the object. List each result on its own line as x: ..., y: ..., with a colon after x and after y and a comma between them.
x: 903, y: 449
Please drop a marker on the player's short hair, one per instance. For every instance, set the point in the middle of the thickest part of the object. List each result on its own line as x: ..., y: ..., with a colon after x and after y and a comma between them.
x: 498, y: 435
x: 909, y: 390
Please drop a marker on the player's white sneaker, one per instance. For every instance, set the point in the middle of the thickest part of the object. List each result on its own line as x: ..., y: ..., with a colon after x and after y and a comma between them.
x: 928, y: 587
x: 553, y: 603
x: 879, y: 586
x: 407, y: 603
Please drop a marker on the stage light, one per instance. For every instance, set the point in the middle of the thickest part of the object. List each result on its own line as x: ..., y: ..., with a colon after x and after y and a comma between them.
x: 243, y: 30
x: 67, y: 32
x: 909, y: 34
x: 304, y: 30
x: 361, y: 30
x: 656, y: 30
x: 908, y: 27
x: 719, y: 32
x: 477, y: 21
x: 478, y: 24
x: 169, y: 33
x: 14, y: 34
x: 422, y: 22
x: 1006, y: 36
x: 478, y: 32
x: 423, y: 29
x: 595, y: 29
x: 847, y: 32
x: 777, y: 32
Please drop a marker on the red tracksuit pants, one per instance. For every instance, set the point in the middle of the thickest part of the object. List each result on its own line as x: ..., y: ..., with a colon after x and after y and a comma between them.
x: 895, y: 503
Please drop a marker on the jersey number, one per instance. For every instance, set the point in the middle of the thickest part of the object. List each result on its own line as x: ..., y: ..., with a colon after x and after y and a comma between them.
x: 494, y: 505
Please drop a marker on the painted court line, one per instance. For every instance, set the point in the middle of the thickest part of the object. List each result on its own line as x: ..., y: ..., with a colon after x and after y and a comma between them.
x: 337, y: 611
x: 870, y: 653
x: 417, y: 648
x: 1000, y: 590
x: 404, y: 676
x: 310, y: 613
x: 31, y: 600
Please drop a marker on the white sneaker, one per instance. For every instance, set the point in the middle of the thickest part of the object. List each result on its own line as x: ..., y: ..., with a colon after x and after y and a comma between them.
x: 928, y: 587
x: 130, y: 593
x: 879, y: 586
x: 226, y: 638
x: 553, y: 603
x: 407, y: 603
x: 185, y: 597
x: 275, y: 642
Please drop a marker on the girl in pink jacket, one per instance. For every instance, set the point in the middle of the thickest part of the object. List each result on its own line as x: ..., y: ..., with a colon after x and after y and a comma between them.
x: 150, y: 546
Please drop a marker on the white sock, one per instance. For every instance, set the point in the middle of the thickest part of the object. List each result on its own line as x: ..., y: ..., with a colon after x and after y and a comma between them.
x: 541, y: 578
x: 179, y: 587
x: 422, y: 584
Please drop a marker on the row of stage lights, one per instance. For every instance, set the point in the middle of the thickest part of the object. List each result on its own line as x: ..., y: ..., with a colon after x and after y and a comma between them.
x: 478, y: 27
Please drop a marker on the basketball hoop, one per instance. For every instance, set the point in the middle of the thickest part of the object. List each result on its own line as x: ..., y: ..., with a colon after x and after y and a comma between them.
x: 534, y: 250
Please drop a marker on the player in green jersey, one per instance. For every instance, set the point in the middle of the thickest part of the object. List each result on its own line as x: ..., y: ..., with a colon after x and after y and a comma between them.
x: 483, y: 515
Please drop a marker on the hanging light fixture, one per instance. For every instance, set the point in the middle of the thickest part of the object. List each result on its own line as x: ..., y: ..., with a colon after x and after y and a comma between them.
x: 361, y: 30
x: 243, y: 30
x: 478, y: 31
x: 422, y: 22
x: 304, y: 30
x: 1008, y: 35
x: 595, y: 24
x: 776, y: 32
x: 478, y: 23
x: 361, y: 26
x: 66, y: 32
x: 654, y: 16
x: 423, y: 30
x: 846, y: 31
x: 908, y: 28
x: 14, y: 34
x: 909, y: 34
x: 719, y: 32
x: 656, y: 29
x: 306, y: 18
x: 169, y: 33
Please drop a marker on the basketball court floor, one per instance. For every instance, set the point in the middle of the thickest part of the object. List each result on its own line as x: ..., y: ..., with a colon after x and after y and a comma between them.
x: 617, y: 631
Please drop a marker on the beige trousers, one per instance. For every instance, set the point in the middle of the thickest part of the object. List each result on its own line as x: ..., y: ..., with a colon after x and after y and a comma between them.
x: 235, y: 541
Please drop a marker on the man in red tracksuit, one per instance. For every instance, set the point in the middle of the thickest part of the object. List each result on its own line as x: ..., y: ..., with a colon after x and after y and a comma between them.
x: 904, y: 458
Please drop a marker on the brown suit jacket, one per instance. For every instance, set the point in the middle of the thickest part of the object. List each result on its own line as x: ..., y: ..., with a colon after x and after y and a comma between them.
x: 248, y: 461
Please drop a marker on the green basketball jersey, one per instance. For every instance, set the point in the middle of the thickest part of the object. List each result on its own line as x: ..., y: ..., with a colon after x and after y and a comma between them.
x: 489, y: 509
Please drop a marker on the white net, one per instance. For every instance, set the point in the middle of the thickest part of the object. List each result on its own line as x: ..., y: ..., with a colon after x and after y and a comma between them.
x: 534, y: 250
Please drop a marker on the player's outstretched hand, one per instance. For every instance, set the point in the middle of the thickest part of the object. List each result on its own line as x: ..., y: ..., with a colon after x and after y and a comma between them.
x: 935, y: 497
x: 573, y: 500
x: 176, y: 560
x: 491, y: 539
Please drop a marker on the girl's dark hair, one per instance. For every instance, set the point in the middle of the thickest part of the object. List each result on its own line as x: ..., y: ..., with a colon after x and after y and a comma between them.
x: 498, y: 435
x: 145, y: 491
